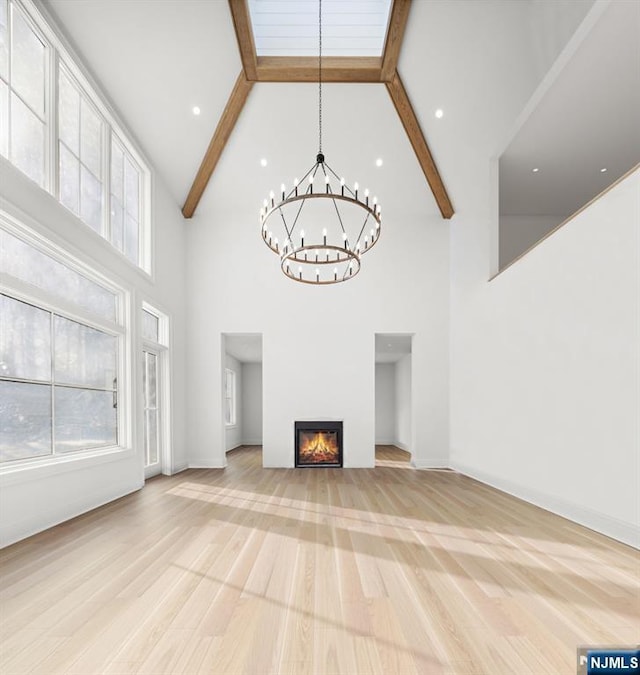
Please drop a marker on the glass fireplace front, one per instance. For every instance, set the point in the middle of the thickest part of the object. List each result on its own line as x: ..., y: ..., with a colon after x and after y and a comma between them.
x: 318, y: 444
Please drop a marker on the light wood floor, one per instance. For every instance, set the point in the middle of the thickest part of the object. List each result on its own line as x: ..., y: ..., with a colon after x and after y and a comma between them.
x: 353, y: 571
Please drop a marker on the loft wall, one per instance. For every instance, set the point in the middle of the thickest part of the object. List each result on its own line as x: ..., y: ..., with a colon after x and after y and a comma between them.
x: 545, y: 368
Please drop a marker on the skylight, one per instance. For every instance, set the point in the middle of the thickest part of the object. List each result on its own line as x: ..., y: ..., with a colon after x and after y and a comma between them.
x: 290, y: 28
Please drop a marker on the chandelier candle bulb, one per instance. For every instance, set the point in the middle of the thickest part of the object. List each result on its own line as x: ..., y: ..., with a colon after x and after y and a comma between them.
x: 295, y: 185
x: 283, y: 190
x: 300, y: 272
x: 366, y: 196
x: 335, y: 274
x: 342, y: 186
x: 324, y: 236
x: 302, y: 237
x: 317, y: 274
x: 355, y: 187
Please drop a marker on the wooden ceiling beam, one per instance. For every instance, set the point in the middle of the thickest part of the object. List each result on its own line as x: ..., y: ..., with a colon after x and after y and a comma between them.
x: 220, y: 137
x: 244, y: 35
x: 305, y: 69
x: 416, y: 137
x: 393, y: 41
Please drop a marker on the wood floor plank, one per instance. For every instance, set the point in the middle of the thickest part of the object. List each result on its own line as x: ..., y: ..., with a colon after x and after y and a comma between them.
x: 314, y: 571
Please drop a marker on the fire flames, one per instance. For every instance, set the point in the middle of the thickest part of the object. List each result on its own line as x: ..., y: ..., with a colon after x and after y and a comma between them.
x: 319, y: 447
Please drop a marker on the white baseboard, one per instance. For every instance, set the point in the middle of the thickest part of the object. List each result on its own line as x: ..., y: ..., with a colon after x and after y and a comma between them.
x: 385, y: 442
x: 178, y: 469
x: 233, y: 447
x: 621, y: 531
x: 252, y: 441
x: 206, y: 464
x: 402, y: 446
x: 435, y: 463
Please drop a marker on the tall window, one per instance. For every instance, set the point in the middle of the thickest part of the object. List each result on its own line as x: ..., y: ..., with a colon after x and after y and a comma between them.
x: 80, y: 153
x: 96, y: 174
x: 24, y: 65
x: 230, y: 397
x: 125, y: 201
x: 59, y: 357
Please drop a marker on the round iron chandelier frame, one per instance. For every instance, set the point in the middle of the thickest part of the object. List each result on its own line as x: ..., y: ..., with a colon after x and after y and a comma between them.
x: 308, y: 255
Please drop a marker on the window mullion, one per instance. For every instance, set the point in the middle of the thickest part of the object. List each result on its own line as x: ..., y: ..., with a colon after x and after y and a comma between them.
x: 51, y: 115
x: 106, y: 181
x: 53, y: 381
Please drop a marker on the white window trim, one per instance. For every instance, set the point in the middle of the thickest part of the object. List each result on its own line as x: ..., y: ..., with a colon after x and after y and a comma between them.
x: 163, y: 350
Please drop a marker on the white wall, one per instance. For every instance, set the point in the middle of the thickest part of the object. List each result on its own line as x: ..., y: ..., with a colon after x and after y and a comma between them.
x: 318, y: 342
x: 252, y: 404
x: 34, y: 499
x: 402, y: 430
x: 233, y: 433
x: 545, y: 366
x: 385, y: 403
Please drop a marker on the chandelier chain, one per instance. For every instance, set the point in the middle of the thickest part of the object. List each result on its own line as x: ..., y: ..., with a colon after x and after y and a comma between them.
x: 320, y: 76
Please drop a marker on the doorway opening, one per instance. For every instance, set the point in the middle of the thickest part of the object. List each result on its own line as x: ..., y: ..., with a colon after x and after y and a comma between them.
x: 393, y: 419
x: 242, y: 390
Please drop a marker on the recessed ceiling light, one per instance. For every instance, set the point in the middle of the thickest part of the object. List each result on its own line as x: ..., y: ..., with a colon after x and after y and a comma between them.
x: 603, y: 170
x: 263, y: 162
x: 535, y: 170
x: 439, y: 113
x: 195, y: 110
x: 379, y: 161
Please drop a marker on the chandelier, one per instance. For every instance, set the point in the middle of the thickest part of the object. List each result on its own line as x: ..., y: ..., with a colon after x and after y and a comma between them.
x: 320, y: 228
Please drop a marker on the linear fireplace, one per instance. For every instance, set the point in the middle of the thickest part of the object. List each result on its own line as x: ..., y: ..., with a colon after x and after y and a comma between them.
x: 318, y: 444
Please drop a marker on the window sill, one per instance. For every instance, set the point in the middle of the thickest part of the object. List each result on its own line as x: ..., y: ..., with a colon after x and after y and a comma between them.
x: 50, y: 466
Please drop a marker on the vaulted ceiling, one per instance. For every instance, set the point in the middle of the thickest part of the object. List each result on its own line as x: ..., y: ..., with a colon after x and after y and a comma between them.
x: 478, y: 61
x: 303, y: 69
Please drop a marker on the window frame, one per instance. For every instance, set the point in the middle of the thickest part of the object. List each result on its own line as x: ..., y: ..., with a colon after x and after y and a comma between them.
x: 23, y: 291
x: 232, y: 398
x: 48, y: 104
